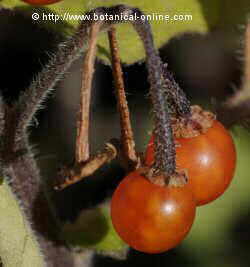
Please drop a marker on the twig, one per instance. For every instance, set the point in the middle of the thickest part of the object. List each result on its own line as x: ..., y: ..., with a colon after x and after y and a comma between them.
x: 82, y: 139
x: 247, y: 56
x: 17, y: 160
x: 31, y: 100
x: 127, y: 138
x: 72, y: 175
x: 23, y: 172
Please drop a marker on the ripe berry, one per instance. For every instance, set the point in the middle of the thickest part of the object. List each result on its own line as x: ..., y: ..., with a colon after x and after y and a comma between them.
x: 151, y: 218
x: 41, y: 2
x: 209, y: 159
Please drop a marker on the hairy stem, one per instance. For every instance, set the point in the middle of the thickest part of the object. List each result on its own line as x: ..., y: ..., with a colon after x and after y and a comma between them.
x: 178, y: 101
x: 164, y: 143
x: 165, y: 152
x: 26, y: 184
x: 54, y: 71
x: 16, y: 156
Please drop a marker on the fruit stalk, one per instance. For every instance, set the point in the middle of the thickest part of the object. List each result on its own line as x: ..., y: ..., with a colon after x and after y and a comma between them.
x: 82, y: 139
x: 127, y: 138
x: 69, y: 175
x: 17, y: 160
x: 178, y: 101
x: 164, y: 142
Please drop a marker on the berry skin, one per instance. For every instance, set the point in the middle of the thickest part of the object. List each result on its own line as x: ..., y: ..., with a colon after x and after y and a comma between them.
x: 151, y: 218
x: 41, y: 2
x: 209, y: 159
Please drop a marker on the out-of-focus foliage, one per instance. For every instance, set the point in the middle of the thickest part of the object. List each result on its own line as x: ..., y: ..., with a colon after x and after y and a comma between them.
x: 18, y: 245
x: 205, y: 14
x: 210, y: 236
x: 93, y: 229
x: 211, y: 233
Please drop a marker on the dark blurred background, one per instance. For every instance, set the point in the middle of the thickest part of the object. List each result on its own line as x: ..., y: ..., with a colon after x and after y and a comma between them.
x: 207, y: 67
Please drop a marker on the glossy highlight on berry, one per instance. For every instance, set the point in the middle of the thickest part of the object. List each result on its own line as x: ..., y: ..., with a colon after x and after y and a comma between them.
x: 209, y: 159
x: 151, y: 218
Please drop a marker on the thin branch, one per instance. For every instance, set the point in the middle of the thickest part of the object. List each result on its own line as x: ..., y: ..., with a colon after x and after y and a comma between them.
x: 71, y: 175
x: 82, y: 139
x: 247, y: 56
x: 16, y: 157
x: 31, y: 100
x: 127, y: 138
x: 23, y: 171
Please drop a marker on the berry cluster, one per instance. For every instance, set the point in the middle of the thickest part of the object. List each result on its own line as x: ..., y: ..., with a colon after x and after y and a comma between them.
x: 152, y: 216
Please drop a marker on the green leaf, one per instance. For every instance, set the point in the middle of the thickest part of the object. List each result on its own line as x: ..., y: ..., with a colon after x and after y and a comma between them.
x: 93, y: 229
x: 18, y: 246
x: 204, y: 15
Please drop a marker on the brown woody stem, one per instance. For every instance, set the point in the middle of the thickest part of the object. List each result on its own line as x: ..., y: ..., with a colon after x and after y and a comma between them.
x: 247, y: 56
x: 127, y: 138
x: 71, y: 175
x: 82, y: 139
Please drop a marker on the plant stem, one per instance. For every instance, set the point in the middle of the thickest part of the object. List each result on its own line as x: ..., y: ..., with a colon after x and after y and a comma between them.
x: 70, y: 50
x: 16, y: 157
x: 21, y: 167
x: 73, y: 174
x: 247, y: 56
x: 127, y: 138
x: 26, y: 184
x: 164, y: 142
x: 177, y: 99
x: 82, y: 139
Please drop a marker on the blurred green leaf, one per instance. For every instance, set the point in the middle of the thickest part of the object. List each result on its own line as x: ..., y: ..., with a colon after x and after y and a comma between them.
x: 204, y: 15
x: 93, y: 229
x: 18, y: 245
x: 211, y: 232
